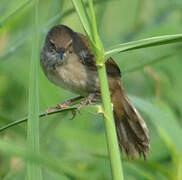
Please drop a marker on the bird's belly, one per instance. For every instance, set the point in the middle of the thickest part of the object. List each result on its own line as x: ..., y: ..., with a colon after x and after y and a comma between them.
x: 76, y: 78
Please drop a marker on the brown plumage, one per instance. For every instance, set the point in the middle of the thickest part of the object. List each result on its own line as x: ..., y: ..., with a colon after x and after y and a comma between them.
x: 68, y: 61
x: 132, y: 132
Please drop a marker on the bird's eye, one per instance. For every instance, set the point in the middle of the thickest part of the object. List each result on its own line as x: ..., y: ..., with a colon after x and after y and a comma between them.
x: 61, y: 53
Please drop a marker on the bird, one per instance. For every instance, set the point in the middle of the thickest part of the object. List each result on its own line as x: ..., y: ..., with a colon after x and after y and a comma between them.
x: 68, y: 61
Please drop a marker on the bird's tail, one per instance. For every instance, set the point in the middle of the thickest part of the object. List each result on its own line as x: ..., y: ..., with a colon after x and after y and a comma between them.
x: 132, y: 131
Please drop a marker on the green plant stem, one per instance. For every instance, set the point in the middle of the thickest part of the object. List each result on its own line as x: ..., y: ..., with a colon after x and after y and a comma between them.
x: 33, y: 169
x: 42, y: 114
x: 110, y: 129
x: 96, y: 44
x: 113, y: 148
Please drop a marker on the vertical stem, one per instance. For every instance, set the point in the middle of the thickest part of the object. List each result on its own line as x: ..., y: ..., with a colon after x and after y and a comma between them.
x: 112, y: 143
x: 33, y: 169
x: 92, y: 34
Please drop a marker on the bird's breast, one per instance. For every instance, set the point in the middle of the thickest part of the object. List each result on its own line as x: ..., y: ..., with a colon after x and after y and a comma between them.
x: 75, y: 77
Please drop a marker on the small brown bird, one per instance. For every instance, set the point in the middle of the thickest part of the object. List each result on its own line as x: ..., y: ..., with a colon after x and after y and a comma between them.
x: 68, y: 61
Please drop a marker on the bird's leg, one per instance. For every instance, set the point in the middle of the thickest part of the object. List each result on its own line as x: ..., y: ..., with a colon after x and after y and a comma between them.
x: 90, y: 99
x: 63, y: 105
x: 67, y: 103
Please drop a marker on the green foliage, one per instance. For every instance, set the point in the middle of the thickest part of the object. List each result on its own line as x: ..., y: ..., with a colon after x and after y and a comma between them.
x: 76, y: 149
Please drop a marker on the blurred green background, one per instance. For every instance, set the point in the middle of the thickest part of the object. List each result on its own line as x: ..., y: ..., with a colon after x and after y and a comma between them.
x: 152, y: 78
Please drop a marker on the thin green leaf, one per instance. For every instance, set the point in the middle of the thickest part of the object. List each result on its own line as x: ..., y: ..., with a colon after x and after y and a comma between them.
x: 33, y: 169
x: 144, y: 43
x: 97, y: 44
x: 80, y: 8
x: 43, y: 114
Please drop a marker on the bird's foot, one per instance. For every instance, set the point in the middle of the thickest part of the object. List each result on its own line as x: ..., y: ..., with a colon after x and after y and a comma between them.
x: 90, y: 99
x: 64, y: 105
x: 50, y: 110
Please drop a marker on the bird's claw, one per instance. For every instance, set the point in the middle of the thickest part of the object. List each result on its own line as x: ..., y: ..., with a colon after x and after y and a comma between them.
x: 74, y: 111
x: 50, y: 110
x: 88, y: 100
x: 64, y: 105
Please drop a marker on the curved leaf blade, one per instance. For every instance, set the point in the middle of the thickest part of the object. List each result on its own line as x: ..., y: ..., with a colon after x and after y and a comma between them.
x: 144, y: 43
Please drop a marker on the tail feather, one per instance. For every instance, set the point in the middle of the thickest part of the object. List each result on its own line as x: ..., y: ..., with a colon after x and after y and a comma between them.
x: 132, y: 132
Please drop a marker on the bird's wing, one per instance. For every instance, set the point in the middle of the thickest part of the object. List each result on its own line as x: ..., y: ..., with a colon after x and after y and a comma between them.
x: 82, y: 48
